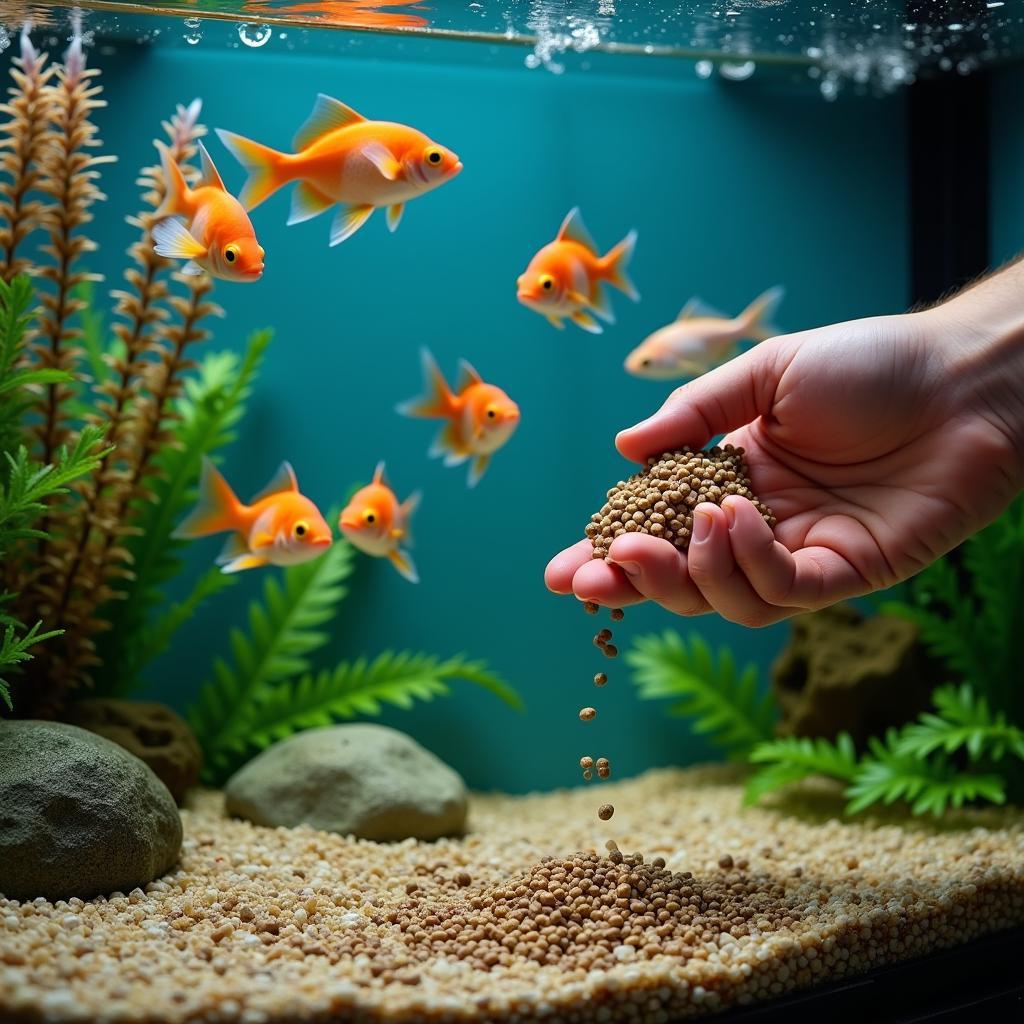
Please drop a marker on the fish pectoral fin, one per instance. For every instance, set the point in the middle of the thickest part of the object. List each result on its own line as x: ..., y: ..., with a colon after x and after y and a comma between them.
x: 383, y: 159
x: 246, y: 561
x: 600, y: 305
x: 307, y: 203
x: 347, y: 221
x: 556, y: 321
x: 586, y: 321
x: 477, y: 470
x: 210, y: 175
x: 172, y: 239
x: 234, y: 547
x: 328, y: 116
x: 284, y: 479
x: 191, y: 269
x: 394, y: 216
x: 403, y: 562
x: 406, y: 509
x: 261, y: 540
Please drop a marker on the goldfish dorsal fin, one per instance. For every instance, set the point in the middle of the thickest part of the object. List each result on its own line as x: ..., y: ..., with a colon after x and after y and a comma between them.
x: 468, y: 375
x: 378, y: 473
x: 574, y: 230
x: 283, y: 480
x: 210, y: 175
x: 698, y: 307
x: 328, y: 116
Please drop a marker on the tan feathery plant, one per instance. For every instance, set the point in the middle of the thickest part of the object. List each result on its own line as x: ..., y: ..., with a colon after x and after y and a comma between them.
x: 121, y: 399
x: 23, y: 136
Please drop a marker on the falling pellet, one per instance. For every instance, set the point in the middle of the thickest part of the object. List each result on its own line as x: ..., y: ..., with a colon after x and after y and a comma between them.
x: 605, y: 811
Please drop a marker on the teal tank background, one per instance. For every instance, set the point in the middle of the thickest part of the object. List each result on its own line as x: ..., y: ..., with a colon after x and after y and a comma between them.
x: 732, y: 188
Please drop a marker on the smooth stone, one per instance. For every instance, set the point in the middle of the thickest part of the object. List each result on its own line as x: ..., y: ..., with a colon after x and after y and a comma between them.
x: 152, y: 732
x: 79, y: 815
x: 363, y: 780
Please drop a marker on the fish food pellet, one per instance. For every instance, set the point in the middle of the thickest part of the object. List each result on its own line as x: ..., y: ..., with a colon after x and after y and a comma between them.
x: 659, y: 500
x: 604, y: 773
x: 600, y: 679
x: 610, y: 651
x: 590, y: 607
x: 604, y: 636
x: 586, y: 762
x: 587, y: 714
x: 617, y: 614
x: 602, y: 762
x: 587, y: 774
x: 605, y: 811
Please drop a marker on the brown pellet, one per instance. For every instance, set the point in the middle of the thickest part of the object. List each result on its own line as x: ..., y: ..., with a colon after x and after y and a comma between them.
x: 600, y: 679
x: 665, y: 491
x: 463, y: 878
x: 586, y: 762
x: 602, y: 762
x: 605, y: 811
x: 590, y: 607
x: 617, y: 614
x: 604, y: 772
x: 604, y: 636
x: 610, y: 651
x: 587, y: 714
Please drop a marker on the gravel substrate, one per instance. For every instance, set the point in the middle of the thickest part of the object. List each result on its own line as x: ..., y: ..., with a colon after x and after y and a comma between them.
x: 727, y: 905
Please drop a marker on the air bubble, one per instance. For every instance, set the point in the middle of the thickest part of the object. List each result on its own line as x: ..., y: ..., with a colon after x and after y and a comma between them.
x: 704, y: 68
x: 254, y: 35
x: 194, y: 33
x: 737, y: 72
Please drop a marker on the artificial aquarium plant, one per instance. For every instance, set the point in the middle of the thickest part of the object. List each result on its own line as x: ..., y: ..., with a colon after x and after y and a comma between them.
x: 969, y: 608
x: 103, y: 434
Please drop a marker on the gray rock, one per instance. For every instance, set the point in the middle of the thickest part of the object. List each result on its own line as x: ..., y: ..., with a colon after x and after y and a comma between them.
x: 364, y: 780
x: 79, y: 815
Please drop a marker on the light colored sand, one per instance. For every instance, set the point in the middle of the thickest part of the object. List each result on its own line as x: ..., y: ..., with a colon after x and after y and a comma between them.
x: 260, y: 924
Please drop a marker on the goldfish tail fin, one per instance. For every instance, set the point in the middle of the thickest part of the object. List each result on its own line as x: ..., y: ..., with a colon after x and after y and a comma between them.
x: 176, y: 190
x: 403, y: 562
x: 216, y: 510
x: 616, y: 264
x: 477, y: 470
x: 265, y: 167
x: 437, y: 400
x: 759, y: 314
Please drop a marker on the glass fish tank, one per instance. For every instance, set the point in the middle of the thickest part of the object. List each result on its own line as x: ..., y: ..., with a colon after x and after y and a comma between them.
x: 510, y: 510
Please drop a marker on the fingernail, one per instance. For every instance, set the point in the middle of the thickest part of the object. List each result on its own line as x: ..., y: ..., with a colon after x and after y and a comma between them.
x: 701, y: 526
x: 629, y: 568
x: 730, y: 514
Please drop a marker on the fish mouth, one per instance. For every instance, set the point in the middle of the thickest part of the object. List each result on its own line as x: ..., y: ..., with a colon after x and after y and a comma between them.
x: 348, y: 522
x: 321, y: 542
x: 457, y: 169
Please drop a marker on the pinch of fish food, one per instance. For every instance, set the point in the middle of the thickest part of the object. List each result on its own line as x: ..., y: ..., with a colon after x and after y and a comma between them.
x: 605, y: 811
x: 658, y: 501
x: 600, y: 678
x: 588, y: 714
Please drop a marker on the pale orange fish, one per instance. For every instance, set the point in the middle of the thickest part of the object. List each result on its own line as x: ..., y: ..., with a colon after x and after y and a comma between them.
x: 217, y: 235
x: 377, y: 524
x: 700, y: 338
x: 279, y: 526
x: 343, y: 159
x: 479, y: 417
x: 567, y: 277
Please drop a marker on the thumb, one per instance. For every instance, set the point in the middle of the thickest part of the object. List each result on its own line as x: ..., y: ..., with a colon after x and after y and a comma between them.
x: 727, y: 397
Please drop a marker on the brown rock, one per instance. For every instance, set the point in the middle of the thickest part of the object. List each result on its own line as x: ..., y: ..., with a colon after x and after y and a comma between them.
x: 844, y: 671
x: 152, y: 732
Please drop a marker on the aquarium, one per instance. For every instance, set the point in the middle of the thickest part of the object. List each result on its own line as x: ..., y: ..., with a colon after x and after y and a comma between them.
x: 322, y: 323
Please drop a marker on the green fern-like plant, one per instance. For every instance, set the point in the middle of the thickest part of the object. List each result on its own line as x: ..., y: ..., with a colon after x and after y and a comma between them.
x: 720, y: 701
x: 207, y: 416
x: 269, y: 689
x: 794, y: 758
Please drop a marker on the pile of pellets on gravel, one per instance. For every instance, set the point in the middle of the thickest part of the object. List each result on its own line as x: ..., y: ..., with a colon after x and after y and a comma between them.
x: 660, y: 499
x: 729, y: 905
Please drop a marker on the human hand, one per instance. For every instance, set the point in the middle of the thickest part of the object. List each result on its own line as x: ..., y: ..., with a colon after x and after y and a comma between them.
x: 879, y: 445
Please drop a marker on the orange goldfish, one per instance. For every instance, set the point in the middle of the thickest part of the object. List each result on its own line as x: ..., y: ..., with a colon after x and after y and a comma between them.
x: 375, y: 522
x: 342, y: 158
x: 700, y: 339
x: 565, y: 278
x: 480, y: 417
x: 219, y: 237
x: 280, y: 526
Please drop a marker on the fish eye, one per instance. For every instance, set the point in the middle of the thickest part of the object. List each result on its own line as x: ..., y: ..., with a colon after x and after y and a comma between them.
x: 645, y: 362
x: 301, y: 528
x: 434, y: 156
x: 492, y: 413
x: 547, y: 282
x: 231, y: 253
x: 370, y: 517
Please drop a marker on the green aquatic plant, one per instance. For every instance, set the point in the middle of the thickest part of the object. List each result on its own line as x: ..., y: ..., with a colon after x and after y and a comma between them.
x: 721, y: 702
x: 267, y: 689
x: 969, y: 608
